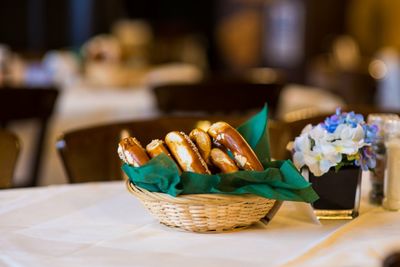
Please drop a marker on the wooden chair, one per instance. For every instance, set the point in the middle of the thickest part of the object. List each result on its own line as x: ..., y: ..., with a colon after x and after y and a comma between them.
x: 91, y: 154
x: 356, y: 87
x: 18, y: 104
x: 365, y: 110
x: 217, y: 96
x: 279, y: 137
x: 9, y: 150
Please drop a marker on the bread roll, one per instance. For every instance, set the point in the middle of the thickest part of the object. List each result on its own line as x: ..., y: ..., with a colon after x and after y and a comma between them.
x: 131, y: 152
x: 222, y: 161
x: 230, y: 138
x: 203, y: 142
x: 186, y: 153
x: 156, y: 147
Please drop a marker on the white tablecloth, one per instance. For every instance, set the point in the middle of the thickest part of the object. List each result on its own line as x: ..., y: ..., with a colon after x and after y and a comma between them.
x: 101, y: 224
x: 81, y: 107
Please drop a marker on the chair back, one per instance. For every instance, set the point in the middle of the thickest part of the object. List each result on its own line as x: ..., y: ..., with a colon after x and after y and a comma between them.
x: 214, y: 97
x: 9, y: 150
x: 17, y: 104
x: 356, y: 88
x: 279, y: 137
x: 91, y: 154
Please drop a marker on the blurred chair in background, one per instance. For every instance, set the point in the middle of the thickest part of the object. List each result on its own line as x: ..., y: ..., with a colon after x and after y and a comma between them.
x: 300, y: 98
x: 297, y: 120
x: 279, y: 137
x: 36, y: 104
x: 211, y: 97
x: 366, y: 110
x: 357, y: 87
x: 9, y: 150
x: 91, y: 154
x: 314, y: 114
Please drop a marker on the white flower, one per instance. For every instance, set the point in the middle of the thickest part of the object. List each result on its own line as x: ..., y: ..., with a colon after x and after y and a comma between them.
x: 302, y: 145
x: 319, y: 162
x: 313, y: 149
x: 348, y: 140
x: 307, y: 128
x: 318, y: 133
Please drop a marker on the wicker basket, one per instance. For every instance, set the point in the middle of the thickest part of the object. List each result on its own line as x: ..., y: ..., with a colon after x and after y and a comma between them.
x: 204, y: 212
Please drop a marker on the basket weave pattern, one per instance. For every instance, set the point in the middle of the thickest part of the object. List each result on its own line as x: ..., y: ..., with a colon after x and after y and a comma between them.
x: 204, y: 212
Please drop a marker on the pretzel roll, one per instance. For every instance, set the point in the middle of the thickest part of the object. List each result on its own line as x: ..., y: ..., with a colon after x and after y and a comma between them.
x: 156, y: 147
x: 203, y: 142
x: 230, y: 138
x: 186, y: 153
x: 222, y: 160
x: 131, y: 152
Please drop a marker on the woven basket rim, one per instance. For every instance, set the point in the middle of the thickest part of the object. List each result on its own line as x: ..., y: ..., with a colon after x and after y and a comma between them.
x: 144, y: 194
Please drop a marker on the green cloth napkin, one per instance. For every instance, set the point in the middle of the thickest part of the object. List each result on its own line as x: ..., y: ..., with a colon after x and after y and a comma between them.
x: 255, y: 131
x: 280, y: 179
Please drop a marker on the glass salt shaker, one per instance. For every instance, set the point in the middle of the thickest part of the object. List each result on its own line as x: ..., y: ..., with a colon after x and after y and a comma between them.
x: 391, y: 200
x: 377, y: 177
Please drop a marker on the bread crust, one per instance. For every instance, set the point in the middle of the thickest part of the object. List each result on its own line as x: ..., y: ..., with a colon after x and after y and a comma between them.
x: 203, y: 142
x: 156, y: 147
x: 131, y: 152
x: 224, y: 134
x: 185, y: 153
x: 222, y: 161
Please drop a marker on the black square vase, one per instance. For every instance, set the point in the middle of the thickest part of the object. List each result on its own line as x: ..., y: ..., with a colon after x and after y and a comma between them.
x: 339, y: 193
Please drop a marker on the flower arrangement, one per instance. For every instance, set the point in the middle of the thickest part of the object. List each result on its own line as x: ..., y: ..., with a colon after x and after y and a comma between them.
x: 343, y: 139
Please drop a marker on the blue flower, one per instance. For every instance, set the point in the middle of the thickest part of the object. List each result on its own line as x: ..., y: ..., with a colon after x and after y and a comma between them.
x: 371, y: 132
x: 350, y: 118
x: 332, y: 122
x: 353, y: 119
x: 367, y: 159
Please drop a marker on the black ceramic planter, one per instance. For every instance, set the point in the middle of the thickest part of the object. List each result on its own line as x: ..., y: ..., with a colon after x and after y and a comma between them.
x: 339, y: 193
